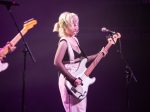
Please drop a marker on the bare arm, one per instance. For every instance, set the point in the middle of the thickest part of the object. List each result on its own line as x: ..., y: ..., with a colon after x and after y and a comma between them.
x: 62, y: 47
x: 92, y: 57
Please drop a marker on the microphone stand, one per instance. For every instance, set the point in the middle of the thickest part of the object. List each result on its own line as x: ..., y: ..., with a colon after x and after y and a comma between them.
x: 26, y: 51
x: 128, y: 74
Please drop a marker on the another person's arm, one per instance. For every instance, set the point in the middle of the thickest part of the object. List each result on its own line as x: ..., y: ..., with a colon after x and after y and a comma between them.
x: 9, y: 47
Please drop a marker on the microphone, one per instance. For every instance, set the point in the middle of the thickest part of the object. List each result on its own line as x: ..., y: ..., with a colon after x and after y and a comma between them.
x: 9, y: 3
x: 104, y: 29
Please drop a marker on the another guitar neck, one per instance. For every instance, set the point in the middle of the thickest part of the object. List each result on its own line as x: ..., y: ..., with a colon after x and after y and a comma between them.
x: 17, y: 38
x: 14, y: 41
x: 97, y: 60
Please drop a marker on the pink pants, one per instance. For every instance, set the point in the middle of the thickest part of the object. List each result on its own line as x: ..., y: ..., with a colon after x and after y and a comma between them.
x: 70, y: 103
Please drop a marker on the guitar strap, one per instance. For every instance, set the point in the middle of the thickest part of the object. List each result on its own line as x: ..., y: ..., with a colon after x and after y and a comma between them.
x: 70, y: 50
x: 84, y: 55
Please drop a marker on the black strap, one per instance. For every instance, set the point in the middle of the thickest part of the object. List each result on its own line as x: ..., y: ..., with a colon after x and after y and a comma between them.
x: 84, y: 55
x: 62, y: 40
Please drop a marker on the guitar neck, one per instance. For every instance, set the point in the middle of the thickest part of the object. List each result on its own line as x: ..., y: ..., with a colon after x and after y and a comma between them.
x: 96, y: 60
x: 17, y: 38
x: 14, y: 41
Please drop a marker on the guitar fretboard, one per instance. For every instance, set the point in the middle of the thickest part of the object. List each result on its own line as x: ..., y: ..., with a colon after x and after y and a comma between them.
x: 97, y: 60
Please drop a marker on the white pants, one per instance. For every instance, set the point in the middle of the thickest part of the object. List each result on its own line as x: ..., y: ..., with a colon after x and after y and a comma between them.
x: 70, y: 103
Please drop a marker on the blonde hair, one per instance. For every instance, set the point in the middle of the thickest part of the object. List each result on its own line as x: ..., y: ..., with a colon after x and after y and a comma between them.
x: 65, y: 18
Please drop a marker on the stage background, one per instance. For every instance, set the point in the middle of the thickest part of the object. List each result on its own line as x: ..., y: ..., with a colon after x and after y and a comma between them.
x: 110, y: 93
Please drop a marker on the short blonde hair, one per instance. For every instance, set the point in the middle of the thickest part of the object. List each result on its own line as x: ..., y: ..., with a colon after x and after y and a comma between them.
x: 65, y: 18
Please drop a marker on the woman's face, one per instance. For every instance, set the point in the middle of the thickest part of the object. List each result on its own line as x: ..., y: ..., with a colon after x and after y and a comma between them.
x: 73, y: 27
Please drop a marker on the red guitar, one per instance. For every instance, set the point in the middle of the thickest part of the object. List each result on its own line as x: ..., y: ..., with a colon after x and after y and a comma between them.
x: 5, y: 50
x: 83, y: 73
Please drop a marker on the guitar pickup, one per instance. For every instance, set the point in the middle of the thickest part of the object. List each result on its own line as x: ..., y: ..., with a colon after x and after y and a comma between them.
x: 73, y: 89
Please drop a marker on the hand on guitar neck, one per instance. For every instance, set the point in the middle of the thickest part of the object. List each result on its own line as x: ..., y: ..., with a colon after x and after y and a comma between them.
x: 10, y: 47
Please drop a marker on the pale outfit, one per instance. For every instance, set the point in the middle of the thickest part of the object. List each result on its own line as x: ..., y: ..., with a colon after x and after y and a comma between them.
x: 70, y: 103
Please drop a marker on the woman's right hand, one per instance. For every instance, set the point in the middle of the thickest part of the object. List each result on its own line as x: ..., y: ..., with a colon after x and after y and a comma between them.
x: 77, y: 82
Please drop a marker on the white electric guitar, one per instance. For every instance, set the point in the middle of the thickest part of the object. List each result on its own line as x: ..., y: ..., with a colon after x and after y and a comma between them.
x: 5, y: 50
x: 83, y: 73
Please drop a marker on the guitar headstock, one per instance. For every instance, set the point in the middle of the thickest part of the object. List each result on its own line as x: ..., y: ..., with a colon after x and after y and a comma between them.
x: 113, y: 39
x: 29, y: 24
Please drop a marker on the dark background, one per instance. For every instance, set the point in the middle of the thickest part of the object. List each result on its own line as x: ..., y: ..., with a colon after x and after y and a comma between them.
x: 110, y: 93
